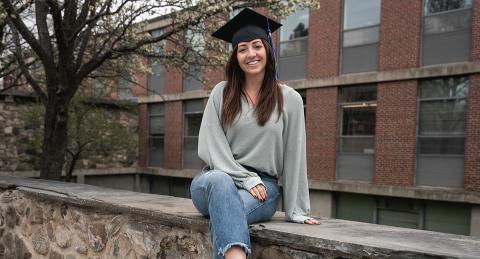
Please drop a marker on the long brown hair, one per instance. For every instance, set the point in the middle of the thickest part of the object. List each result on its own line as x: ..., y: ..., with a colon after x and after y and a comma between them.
x: 269, y: 95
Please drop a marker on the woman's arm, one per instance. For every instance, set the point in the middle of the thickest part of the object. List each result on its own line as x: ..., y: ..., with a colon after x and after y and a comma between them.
x: 295, y: 182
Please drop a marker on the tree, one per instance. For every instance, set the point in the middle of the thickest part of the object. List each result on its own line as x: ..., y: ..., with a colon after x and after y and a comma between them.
x: 93, y: 130
x: 74, y: 39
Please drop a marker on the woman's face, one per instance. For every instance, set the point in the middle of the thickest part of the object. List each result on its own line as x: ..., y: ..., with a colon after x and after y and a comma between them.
x: 252, y: 57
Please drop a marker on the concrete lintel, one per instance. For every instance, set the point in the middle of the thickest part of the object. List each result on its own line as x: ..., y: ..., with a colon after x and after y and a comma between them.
x: 451, y: 69
x: 189, y: 95
x: 353, y: 239
x: 417, y: 192
x: 179, y: 173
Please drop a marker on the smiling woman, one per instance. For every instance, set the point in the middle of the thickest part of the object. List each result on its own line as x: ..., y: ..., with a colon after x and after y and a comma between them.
x: 252, y: 132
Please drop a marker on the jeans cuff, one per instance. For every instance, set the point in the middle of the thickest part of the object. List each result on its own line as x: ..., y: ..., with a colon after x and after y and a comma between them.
x: 242, y: 245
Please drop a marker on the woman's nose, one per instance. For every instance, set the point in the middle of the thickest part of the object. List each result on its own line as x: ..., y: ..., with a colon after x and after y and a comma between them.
x: 251, y: 52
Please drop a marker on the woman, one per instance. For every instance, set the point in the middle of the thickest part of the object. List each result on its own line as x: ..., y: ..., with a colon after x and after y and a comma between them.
x: 252, y: 132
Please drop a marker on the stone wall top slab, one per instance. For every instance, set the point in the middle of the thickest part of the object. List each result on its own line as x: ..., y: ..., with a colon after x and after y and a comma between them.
x: 361, y: 240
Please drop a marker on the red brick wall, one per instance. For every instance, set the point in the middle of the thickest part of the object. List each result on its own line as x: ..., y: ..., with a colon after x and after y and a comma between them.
x: 321, y: 124
x: 395, y: 133
x: 400, y: 34
x: 173, y: 75
x: 140, y: 89
x: 324, y: 39
x: 475, y: 56
x: 213, y: 77
x: 173, y: 134
x: 143, y: 135
x: 472, y: 143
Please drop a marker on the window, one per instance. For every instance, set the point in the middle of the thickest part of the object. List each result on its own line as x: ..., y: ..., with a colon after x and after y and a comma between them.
x: 156, y: 79
x: 447, y: 217
x: 446, y: 31
x: 156, y: 133
x: 441, y: 131
x: 399, y: 212
x: 98, y: 88
x: 292, y: 61
x: 303, y: 93
x: 195, y: 44
x: 193, y: 111
x: 357, y: 110
x: 361, y: 23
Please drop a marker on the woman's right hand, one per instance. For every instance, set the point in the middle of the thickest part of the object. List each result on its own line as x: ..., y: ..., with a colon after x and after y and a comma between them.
x: 259, y: 192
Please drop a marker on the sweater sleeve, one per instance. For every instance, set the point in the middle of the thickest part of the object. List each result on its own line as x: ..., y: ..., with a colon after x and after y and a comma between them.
x: 213, y: 147
x: 295, y: 183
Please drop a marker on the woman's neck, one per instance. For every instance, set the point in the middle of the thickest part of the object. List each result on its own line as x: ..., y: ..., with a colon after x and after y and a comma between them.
x: 253, y: 83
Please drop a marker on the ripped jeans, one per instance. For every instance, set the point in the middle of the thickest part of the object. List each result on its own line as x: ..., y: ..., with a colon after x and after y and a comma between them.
x: 231, y: 209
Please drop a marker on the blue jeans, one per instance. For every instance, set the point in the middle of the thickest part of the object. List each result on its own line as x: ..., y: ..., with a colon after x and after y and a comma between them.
x: 231, y: 209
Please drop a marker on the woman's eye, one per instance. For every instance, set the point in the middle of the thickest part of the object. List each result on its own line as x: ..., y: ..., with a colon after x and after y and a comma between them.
x: 241, y: 50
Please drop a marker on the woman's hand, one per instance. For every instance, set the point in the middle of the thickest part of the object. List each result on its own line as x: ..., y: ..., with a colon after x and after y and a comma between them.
x: 312, y: 221
x: 259, y: 192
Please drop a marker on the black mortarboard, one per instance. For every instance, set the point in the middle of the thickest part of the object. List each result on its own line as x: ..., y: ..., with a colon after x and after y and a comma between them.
x: 246, y: 26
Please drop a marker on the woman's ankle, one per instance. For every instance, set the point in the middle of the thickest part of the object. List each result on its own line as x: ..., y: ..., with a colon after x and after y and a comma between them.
x: 235, y: 252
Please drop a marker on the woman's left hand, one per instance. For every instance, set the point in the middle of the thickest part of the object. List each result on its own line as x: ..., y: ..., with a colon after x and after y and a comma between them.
x: 312, y: 221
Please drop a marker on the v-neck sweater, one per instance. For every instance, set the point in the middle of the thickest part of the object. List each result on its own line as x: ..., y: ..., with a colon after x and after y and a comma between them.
x: 278, y: 148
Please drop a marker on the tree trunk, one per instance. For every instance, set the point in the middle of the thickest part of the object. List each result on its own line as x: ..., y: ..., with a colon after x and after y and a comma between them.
x: 55, y: 137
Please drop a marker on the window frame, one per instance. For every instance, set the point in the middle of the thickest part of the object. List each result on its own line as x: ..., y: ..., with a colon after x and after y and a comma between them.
x: 342, y: 37
x: 184, y: 128
x: 150, y: 136
x: 441, y: 135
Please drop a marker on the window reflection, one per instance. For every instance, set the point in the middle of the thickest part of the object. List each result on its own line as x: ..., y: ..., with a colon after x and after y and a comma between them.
x: 361, y: 29
x: 358, y: 111
x: 156, y: 134
x: 192, y: 120
x: 443, y: 111
x: 358, y: 14
x: 437, y: 6
x: 295, y: 26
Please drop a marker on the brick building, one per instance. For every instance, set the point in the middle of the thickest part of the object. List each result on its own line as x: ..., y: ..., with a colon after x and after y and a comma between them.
x: 392, y: 102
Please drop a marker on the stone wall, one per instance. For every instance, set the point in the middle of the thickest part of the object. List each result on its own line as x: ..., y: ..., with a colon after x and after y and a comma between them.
x: 32, y: 227
x: 52, y: 219
x: 16, y: 136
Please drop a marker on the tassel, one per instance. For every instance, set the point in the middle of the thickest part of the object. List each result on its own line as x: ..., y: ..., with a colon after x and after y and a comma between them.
x: 274, y: 51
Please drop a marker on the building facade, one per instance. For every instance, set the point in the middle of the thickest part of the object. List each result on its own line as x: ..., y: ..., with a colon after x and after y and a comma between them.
x: 392, y: 102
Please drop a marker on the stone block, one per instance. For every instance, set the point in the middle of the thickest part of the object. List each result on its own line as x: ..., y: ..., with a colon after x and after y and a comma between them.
x: 8, y: 241
x: 2, y: 217
x: 63, y: 236
x: 97, y: 237
x: 55, y: 255
x: 37, y: 216
x: 80, y: 247
x: 50, y: 233
x: 7, y: 197
x: 21, y: 249
x: 40, y: 241
x: 10, y: 217
x: 8, y: 130
x: 2, y: 251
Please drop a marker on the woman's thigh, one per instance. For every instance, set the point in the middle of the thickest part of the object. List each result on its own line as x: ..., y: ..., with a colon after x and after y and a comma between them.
x: 257, y: 211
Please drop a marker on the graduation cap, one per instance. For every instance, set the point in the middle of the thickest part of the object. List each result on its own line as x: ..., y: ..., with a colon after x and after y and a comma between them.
x: 248, y: 25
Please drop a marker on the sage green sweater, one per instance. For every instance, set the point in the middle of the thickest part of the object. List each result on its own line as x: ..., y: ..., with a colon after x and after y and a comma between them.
x: 277, y: 148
